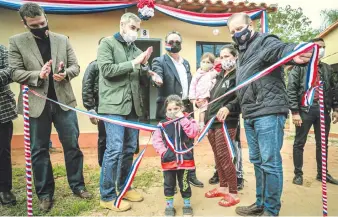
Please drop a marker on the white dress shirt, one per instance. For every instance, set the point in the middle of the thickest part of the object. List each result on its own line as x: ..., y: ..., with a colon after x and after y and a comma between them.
x: 182, y: 73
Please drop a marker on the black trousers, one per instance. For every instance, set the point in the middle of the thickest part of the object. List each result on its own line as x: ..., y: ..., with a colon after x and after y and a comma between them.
x: 101, y: 143
x: 310, y: 118
x: 6, y: 132
x: 182, y: 177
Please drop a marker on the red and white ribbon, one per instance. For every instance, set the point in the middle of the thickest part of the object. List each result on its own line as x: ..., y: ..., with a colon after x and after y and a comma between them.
x: 264, y: 22
x: 311, y: 78
x: 27, y: 151
x: 130, y: 178
x: 324, y: 154
x: 147, y: 127
x: 229, y: 142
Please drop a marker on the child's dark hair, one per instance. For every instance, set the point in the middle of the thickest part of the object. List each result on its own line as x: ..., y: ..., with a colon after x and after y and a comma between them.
x: 210, y: 56
x: 174, y: 98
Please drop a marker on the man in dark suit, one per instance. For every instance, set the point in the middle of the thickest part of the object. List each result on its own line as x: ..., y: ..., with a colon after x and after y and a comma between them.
x: 172, y: 76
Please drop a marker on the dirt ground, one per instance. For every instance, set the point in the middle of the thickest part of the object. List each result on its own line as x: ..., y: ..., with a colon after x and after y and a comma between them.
x: 296, y: 200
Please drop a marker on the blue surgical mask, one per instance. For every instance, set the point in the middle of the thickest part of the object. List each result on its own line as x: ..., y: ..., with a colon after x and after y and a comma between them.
x: 242, y: 37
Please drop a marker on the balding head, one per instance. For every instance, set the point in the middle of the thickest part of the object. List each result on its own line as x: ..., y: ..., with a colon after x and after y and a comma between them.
x: 239, y: 21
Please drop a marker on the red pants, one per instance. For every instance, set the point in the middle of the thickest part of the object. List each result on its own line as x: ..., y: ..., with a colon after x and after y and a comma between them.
x: 226, y: 169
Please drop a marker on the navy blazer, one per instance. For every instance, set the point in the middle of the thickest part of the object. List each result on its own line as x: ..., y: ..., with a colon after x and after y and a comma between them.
x: 165, y: 68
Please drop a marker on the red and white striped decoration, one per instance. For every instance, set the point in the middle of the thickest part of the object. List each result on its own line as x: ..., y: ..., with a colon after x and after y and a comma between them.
x: 27, y: 151
x: 323, y: 140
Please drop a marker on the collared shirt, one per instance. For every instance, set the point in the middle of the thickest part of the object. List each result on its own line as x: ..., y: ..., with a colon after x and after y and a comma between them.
x: 182, y: 73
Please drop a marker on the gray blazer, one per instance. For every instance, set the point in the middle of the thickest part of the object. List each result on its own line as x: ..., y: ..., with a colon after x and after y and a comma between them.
x: 25, y: 58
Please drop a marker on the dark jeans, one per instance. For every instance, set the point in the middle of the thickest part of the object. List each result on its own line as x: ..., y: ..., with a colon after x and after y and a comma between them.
x: 6, y: 132
x: 265, y: 140
x: 170, y: 183
x: 309, y: 119
x: 67, y: 127
x: 101, y: 143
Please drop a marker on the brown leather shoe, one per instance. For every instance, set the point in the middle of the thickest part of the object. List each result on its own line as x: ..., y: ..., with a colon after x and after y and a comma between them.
x: 84, y: 194
x: 45, y: 204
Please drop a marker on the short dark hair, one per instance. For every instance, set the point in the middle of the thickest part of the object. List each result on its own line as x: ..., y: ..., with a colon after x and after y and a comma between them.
x: 232, y: 49
x: 30, y: 10
x: 171, y: 33
x: 317, y: 39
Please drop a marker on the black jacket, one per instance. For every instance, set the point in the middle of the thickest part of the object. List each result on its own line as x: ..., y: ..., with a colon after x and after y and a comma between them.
x: 90, y: 87
x: 166, y: 69
x: 296, y: 87
x: 267, y: 95
x: 223, y: 85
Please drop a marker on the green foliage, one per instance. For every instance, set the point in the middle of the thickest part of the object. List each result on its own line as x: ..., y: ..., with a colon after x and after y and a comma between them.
x: 65, y: 203
x: 291, y: 25
x: 329, y: 16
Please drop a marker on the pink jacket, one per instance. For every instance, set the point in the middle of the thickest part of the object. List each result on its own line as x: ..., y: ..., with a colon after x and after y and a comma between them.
x: 190, y: 128
x: 201, y: 84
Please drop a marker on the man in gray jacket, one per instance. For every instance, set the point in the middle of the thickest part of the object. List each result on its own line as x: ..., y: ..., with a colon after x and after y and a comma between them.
x: 46, y: 62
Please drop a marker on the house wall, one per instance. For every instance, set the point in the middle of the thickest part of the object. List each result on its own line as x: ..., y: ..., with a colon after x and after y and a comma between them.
x: 86, y: 30
x: 331, y: 47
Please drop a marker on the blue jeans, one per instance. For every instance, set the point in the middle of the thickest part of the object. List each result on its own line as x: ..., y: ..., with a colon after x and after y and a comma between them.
x: 265, y: 140
x: 118, y: 157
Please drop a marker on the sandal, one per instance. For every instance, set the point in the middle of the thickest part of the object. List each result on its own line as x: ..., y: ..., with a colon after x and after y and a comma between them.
x: 228, y: 201
x: 214, y: 193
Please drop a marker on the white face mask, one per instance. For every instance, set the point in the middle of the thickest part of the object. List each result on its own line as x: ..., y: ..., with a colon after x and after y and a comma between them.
x: 321, y: 53
x: 206, y: 66
x: 130, y: 36
x: 228, y: 64
x: 171, y: 115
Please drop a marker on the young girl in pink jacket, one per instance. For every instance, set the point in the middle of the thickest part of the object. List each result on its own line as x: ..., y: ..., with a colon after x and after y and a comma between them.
x: 202, y: 83
x: 176, y: 166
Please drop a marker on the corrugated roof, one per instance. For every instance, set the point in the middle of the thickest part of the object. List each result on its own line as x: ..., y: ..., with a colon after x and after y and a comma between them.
x: 217, y: 6
x: 328, y: 30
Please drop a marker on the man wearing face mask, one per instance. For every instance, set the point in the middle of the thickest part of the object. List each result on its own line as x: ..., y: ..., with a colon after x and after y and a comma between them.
x: 121, y: 65
x: 173, y: 77
x: 304, y: 117
x: 264, y: 105
x: 46, y: 62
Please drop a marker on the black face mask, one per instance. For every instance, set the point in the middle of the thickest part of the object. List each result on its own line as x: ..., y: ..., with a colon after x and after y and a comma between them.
x: 41, y: 32
x: 242, y: 37
x: 173, y: 47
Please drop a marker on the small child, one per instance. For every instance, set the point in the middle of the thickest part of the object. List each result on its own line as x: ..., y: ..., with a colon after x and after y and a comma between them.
x: 202, y: 83
x: 175, y: 165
